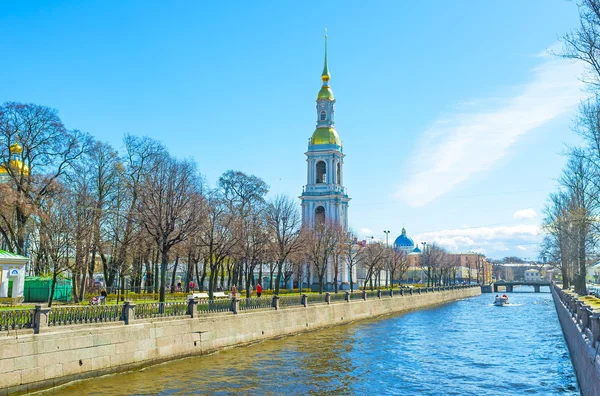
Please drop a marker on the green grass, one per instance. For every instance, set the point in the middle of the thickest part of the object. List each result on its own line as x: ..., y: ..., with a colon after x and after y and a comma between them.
x: 15, y: 307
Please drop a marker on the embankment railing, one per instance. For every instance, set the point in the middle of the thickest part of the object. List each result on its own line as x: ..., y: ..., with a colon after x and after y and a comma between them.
x: 15, y: 319
x: 129, y: 311
x: 586, y: 318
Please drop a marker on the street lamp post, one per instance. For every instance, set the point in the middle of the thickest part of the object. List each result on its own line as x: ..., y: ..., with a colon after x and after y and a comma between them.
x: 387, y: 254
x: 422, y: 256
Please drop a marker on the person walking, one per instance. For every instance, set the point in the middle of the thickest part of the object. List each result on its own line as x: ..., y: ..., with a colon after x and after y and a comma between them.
x: 103, y: 297
x: 250, y: 291
x: 258, y: 290
x: 233, y: 291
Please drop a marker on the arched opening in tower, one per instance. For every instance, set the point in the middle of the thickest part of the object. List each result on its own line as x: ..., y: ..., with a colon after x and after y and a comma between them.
x: 323, y: 116
x: 321, y: 172
x: 339, y: 173
x: 320, y: 215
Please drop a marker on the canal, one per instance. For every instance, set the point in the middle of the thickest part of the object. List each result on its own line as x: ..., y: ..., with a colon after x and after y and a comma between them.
x: 468, y: 347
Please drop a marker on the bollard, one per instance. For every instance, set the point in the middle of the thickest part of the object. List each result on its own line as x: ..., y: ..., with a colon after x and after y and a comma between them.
x: 585, y: 316
x: 40, y: 318
x: 391, y: 293
x: 579, y: 313
x: 235, y: 305
x: 364, y: 295
x: 192, y: 307
x: 128, y: 313
x: 347, y: 296
x: 378, y: 293
x: 411, y: 292
x: 304, y: 300
x: 402, y: 292
x: 327, y: 298
x: 275, y: 302
x: 595, y: 326
x: 419, y: 290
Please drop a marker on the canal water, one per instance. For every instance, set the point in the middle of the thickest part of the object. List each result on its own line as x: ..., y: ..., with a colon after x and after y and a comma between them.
x: 468, y: 347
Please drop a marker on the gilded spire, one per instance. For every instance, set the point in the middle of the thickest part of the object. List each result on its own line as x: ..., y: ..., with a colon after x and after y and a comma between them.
x: 325, y: 76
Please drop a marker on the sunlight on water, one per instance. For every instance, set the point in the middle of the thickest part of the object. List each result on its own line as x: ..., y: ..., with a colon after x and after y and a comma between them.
x: 468, y: 347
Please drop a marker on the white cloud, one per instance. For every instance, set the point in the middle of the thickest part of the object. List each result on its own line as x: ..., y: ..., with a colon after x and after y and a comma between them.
x: 521, y: 247
x: 366, y: 231
x: 492, y: 240
x: 480, y: 133
x: 525, y: 214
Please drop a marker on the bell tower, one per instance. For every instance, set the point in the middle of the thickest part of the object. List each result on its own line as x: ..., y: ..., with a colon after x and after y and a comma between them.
x: 324, y: 197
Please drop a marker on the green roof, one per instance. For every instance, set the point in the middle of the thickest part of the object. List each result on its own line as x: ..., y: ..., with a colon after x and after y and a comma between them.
x: 7, y: 255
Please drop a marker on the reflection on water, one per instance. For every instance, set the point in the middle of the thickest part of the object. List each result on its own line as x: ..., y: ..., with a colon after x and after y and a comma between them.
x: 469, y: 347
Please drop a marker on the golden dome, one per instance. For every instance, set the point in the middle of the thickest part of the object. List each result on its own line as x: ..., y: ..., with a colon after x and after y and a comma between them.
x: 16, y: 148
x: 18, y: 166
x: 325, y: 135
x: 325, y: 93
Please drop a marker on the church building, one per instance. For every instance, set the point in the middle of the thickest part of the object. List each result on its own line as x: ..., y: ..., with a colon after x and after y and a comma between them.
x: 324, y: 197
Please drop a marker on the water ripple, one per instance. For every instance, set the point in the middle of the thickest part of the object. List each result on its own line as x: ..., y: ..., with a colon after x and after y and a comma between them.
x: 465, y: 348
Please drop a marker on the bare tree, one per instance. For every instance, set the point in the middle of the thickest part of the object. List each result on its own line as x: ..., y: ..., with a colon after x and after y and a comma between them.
x: 372, y: 257
x: 216, y: 237
x: 169, y: 205
x: 55, y: 222
x: 285, y: 227
x: 47, y: 150
x: 351, y: 251
x: 397, y: 264
x: 583, y: 43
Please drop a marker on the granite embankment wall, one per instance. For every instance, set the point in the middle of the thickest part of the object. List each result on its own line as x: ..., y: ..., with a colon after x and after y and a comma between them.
x: 60, y: 354
x: 581, y: 329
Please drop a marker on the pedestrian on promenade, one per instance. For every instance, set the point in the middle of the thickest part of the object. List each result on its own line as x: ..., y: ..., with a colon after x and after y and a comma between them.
x: 103, y: 297
x: 233, y: 291
x: 250, y: 291
x: 258, y: 289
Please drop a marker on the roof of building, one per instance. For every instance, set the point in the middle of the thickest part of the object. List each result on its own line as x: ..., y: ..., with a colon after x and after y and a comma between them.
x: 11, y: 256
x: 404, y: 241
x: 15, y: 164
x: 325, y: 135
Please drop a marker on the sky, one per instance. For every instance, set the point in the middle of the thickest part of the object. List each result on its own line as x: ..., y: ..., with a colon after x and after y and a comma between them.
x: 454, y: 115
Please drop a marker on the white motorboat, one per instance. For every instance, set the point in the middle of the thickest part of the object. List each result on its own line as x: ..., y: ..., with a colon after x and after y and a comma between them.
x: 500, y: 301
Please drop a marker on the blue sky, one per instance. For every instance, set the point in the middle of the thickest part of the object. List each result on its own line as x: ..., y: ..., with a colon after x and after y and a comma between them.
x: 452, y: 114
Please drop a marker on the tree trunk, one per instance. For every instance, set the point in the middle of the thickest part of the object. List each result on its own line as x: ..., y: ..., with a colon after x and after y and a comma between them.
x: 53, y: 286
x: 74, y: 291
x: 163, y: 273
x: 278, y: 279
x: 201, y: 281
x: 174, y: 273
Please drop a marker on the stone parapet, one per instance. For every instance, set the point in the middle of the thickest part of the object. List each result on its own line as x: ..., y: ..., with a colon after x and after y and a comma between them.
x: 581, y: 329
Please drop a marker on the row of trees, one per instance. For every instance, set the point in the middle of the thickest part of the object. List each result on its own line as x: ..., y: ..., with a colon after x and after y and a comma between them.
x: 572, y: 215
x: 78, y: 206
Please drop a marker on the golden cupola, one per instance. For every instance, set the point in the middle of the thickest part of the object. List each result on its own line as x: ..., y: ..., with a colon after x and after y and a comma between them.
x: 14, y: 162
x: 325, y: 132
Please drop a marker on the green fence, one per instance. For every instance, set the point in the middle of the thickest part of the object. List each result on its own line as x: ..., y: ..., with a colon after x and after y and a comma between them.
x: 37, y: 289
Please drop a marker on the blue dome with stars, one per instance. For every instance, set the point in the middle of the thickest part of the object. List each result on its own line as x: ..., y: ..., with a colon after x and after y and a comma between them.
x: 404, y: 242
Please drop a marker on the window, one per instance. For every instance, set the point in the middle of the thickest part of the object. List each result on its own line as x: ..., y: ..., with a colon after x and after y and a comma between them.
x: 320, y: 215
x: 339, y: 173
x: 323, y: 116
x: 321, y: 172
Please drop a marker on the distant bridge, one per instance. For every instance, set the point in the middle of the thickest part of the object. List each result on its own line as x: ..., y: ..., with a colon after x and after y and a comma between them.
x: 509, y: 285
